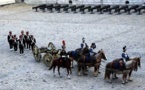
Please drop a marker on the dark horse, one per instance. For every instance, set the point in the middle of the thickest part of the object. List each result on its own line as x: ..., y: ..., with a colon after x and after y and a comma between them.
x: 96, y: 62
x: 75, y: 55
x: 131, y: 65
x: 65, y: 64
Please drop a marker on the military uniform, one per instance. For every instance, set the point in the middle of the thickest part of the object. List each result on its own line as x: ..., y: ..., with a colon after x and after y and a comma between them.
x: 83, y: 44
x: 23, y: 38
x: 15, y: 43
x: 21, y: 45
x: 28, y: 41
x: 33, y: 41
x: 63, y: 54
x: 10, y: 40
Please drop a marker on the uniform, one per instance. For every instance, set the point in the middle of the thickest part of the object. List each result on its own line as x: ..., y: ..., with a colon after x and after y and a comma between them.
x: 63, y: 54
x: 83, y: 44
x: 28, y: 42
x: 15, y: 43
x: 33, y: 41
x: 10, y: 40
x: 23, y: 37
x: 21, y: 45
x: 125, y: 55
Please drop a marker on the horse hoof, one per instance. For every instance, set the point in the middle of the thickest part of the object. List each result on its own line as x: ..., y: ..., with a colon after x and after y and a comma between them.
x: 85, y: 74
x: 115, y: 77
x: 60, y: 76
x: 68, y: 77
x: 130, y: 80
x: 123, y: 83
x: 99, y: 72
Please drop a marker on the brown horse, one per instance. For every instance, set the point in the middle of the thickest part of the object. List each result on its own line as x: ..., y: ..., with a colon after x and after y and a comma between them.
x: 65, y: 64
x: 96, y: 63
x: 130, y: 66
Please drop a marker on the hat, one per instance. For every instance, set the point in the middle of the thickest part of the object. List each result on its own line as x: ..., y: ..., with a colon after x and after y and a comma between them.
x: 63, y: 42
x: 83, y: 39
x: 27, y: 32
x: 14, y: 35
x: 20, y: 36
x: 10, y: 32
x: 124, y: 47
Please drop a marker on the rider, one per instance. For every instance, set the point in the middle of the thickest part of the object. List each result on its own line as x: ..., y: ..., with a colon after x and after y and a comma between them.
x: 125, y: 55
x: 83, y: 44
x: 91, y: 52
x: 63, y: 53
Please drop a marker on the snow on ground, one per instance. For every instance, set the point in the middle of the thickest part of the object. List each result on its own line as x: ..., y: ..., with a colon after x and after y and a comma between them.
x: 109, y: 32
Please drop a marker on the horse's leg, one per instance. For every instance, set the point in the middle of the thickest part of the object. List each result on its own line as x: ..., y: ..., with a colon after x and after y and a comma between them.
x: 54, y: 70
x: 68, y: 72
x: 59, y: 71
x: 129, y: 76
x: 96, y: 71
x: 72, y: 64
x: 84, y: 70
x: 123, y: 78
x: 79, y: 69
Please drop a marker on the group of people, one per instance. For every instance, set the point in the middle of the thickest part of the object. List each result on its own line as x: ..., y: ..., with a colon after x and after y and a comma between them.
x: 24, y: 41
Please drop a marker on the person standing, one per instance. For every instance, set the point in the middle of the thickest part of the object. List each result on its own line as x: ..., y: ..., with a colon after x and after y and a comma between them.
x: 63, y: 54
x: 10, y: 40
x: 33, y: 42
x: 28, y: 42
x: 23, y: 37
x: 21, y: 45
x: 15, y: 43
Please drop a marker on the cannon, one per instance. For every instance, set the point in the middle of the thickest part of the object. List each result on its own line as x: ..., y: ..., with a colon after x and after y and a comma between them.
x: 50, y: 53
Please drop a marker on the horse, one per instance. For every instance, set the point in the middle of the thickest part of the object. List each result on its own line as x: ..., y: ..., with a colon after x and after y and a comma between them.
x: 65, y: 64
x: 96, y: 62
x: 75, y: 55
x: 131, y: 65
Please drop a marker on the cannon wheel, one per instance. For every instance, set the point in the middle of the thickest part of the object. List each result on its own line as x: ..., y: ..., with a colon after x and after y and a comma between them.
x: 48, y: 59
x: 36, y: 53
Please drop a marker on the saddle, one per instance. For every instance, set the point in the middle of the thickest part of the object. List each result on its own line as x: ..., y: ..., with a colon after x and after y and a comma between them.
x: 118, y: 64
x: 90, y: 59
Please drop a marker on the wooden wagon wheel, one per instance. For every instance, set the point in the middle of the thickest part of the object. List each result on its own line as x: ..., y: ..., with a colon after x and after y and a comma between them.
x: 36, y: 53
x: 48, y: 59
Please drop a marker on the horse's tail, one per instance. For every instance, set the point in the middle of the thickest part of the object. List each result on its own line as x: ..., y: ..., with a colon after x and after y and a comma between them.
x: 106, y: 71
x: 105, y: 74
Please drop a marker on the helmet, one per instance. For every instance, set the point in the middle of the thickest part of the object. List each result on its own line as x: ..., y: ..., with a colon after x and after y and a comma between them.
x: 14, y: 35
x: 93, y: 45
x: 22, y: 32
x: 83, y: 39
x: 63, y: 42
x: 10, y: 32
x: 31, y: 36
x: 20, y: 36
x: 124, y: 48
x: 27, y: 32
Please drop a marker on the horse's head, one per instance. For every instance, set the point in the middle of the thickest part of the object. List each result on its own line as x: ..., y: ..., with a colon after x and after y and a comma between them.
x: 103, y: 56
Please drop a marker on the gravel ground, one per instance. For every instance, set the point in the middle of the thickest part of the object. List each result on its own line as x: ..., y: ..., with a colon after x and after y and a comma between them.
x: 109, y: 32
